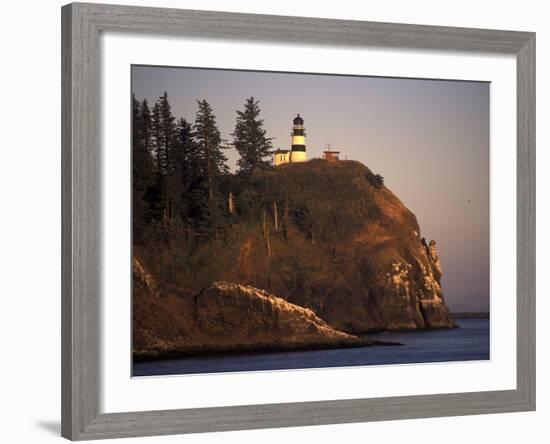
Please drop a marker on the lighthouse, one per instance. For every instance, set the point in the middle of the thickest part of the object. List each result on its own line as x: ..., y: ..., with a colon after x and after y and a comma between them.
x: 298, y: 150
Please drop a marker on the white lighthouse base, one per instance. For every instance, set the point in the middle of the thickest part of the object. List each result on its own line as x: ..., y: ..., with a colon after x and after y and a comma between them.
x: 298, y: 156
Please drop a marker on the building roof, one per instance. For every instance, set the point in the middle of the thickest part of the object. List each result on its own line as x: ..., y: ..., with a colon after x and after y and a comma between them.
x: 298, y: 120
x: 279, y: 150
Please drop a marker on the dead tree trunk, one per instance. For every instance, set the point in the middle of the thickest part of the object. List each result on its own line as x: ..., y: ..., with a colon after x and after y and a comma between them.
x: 265, y: 231
x: 285, y: 221
x: 230, y: 203
x: 275, y: 217
x: 268, y: 245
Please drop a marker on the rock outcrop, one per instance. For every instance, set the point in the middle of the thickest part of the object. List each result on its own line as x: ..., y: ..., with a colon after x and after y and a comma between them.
x: 356, y: 258
x: 321, y: 251
x: 225, y: 317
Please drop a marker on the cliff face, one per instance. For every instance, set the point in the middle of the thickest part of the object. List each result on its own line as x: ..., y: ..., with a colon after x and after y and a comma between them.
x: 314, y: 254
x: 347, y: 248
x: 224, y: 317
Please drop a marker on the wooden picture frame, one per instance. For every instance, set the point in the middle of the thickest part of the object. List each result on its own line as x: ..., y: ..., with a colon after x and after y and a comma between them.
x: 81, y: 172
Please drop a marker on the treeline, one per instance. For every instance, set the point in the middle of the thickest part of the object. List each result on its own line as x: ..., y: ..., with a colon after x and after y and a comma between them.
x: 180, y: 172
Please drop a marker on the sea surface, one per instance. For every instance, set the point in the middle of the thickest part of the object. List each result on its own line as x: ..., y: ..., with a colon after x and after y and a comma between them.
x: 470, y: 342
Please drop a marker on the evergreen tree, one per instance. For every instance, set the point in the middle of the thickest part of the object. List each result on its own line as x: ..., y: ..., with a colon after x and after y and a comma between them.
x: 135, y: 121
x: 156, y: 135
x: 184, y: 166
x: 162, y: 138
x: 146, y: 175
x: 163, y: 130
x: 167, y: 133
x: 206, y: 200
x: 145, y: 125
x: 250, y: 139
x: 186, y: 156
x: 142, y: 168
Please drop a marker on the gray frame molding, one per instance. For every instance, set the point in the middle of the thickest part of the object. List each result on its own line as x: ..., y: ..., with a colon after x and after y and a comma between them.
x: 81, y: 167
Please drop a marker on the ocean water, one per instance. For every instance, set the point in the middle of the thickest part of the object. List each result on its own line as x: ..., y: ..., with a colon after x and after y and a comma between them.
x: 468, y: 343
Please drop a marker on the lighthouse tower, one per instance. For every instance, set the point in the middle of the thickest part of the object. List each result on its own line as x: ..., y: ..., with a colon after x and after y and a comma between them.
x: 298, y: 151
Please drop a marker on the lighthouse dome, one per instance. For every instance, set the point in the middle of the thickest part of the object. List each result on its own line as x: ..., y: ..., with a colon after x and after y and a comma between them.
x: 298, y: 120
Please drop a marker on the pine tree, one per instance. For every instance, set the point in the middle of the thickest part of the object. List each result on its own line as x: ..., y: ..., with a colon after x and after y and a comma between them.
x: 184, y: 166
x: 142, y: 168
x: 250, y: 139
x: 162, y: 135
x: 207, y: 203
x: 145, y: 125
x: 156, y: 135
x: 135, y: 121
x: 166, y: 133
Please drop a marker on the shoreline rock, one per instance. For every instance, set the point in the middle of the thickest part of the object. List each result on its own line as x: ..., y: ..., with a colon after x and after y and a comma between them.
x: 227, y: 318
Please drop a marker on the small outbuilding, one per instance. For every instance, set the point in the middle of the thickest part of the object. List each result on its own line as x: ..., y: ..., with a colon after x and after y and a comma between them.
x: 331, y: 155
x: 281, y: 156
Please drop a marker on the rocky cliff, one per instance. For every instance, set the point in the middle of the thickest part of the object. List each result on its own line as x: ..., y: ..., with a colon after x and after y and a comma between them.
x: 347, y: 248
x: 224, y: 317
x: 326, y: 248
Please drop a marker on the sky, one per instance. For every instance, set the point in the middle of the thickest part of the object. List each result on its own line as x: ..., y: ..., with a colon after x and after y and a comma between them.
x: 428, y: 138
